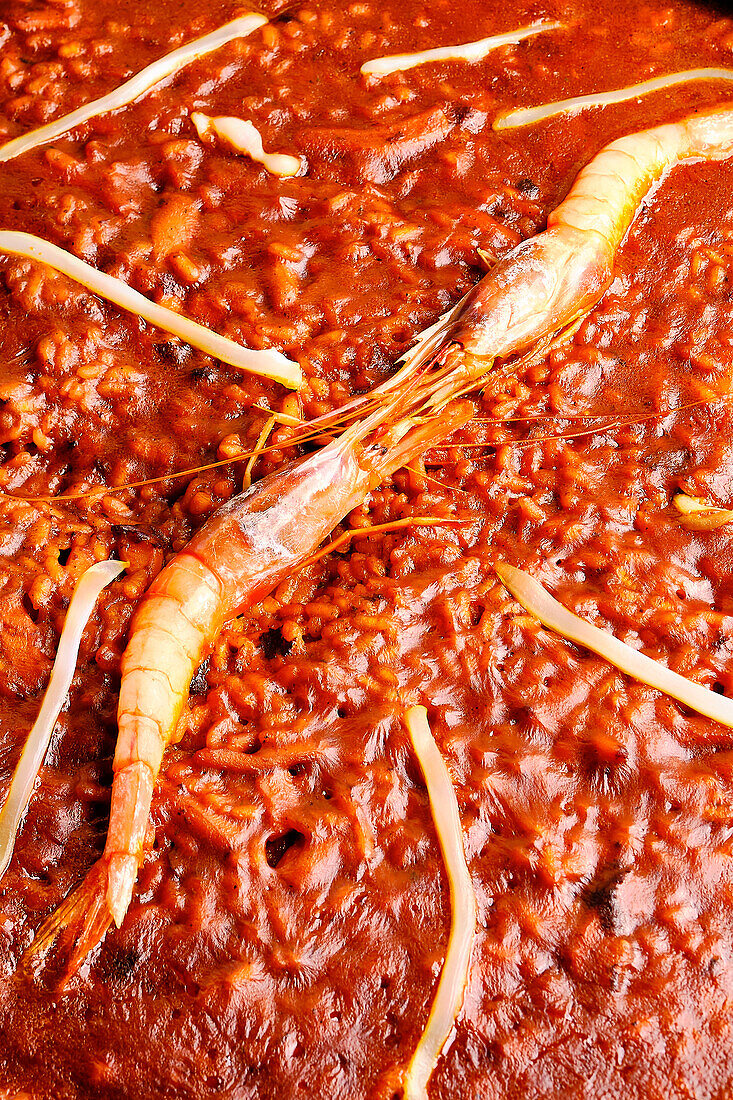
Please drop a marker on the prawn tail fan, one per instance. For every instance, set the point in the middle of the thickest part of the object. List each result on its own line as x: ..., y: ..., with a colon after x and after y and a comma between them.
x: 75, y: 928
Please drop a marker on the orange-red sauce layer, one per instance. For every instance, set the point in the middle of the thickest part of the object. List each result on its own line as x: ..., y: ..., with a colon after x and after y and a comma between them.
x: 291, y: 917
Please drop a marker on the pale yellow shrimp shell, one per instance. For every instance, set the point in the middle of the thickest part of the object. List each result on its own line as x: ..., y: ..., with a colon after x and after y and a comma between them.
x: 607, y: 192
x: 169, y: 633
x: 551, y: 280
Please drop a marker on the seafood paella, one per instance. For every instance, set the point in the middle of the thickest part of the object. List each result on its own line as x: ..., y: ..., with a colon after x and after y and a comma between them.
x: 366, y: 549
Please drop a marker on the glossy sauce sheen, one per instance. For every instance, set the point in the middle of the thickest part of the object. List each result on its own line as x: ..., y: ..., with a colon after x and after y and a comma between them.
x: 291, y: 918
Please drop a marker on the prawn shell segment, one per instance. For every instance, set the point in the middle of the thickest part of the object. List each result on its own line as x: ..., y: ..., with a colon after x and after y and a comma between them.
x: 170, y: 630
x: 132, y: 793
x: 605, y: 197
x: 257, y: 538
x: 134, y: 786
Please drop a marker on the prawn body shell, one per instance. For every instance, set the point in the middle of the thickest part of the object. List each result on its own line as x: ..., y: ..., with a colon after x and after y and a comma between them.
x: 256, y: 539
x: 169, y: 634
x: 606, y: 195
x: 244, y: 550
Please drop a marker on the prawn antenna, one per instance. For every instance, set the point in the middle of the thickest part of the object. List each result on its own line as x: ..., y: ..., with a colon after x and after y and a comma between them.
x: 76, y: 927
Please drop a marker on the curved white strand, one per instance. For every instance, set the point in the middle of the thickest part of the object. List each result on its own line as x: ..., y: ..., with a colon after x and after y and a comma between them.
x: 82, y: 604
x: 527, y: 116
x: 538, y: 602
x: 136, y: 86
x: 454, y: 975
x: 469, y: 51
x: 268, y: 362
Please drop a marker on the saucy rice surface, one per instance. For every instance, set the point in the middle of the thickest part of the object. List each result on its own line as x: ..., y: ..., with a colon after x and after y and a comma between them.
x: 291, y: 917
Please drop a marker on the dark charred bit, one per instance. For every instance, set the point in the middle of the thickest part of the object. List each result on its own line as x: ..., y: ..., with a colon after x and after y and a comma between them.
x: 125, y: 535
x: 202, y: 374
x: 599, y: 894
x: 527, y: 187
x: 199, y: 684
x: 273, y: 644
x: 173, y: 351
x: 119, y: 965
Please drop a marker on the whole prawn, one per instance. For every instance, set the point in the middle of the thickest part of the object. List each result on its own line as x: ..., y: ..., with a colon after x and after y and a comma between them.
x: 541, y: 288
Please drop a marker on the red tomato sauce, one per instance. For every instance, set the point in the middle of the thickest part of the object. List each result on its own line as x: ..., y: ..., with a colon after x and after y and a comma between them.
x: 291, y: 916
